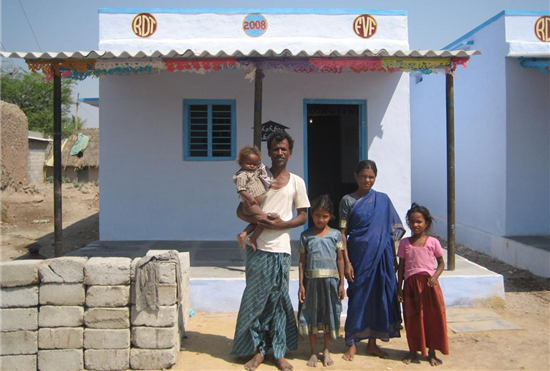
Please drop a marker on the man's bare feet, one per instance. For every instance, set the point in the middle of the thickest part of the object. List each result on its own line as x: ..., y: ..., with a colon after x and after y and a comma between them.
x: 434, y: 361
x: 411, y: 356
x: 350, y: 353
x: 312, y: 361
x: 327, y: 360
x: 254, y: 362
x: 373, y: 350
x: 241, y: 238
x: 283, y: 365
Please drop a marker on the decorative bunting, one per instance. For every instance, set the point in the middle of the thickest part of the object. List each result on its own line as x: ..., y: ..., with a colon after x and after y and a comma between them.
x: 80, y: 70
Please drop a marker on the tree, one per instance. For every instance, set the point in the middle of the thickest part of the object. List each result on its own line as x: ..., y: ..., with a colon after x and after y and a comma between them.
x: 34, y: 95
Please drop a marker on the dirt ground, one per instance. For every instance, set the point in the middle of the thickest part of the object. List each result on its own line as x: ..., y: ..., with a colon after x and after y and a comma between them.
x: 27, y: 227
x: 28, y: 220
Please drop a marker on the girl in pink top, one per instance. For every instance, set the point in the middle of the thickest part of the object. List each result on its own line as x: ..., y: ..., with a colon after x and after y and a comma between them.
x: 422, y: 298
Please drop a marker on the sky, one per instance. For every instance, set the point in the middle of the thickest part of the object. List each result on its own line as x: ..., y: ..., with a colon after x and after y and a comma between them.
x: 72, y: 25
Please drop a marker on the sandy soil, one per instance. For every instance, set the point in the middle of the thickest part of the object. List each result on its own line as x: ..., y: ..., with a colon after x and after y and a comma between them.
x: 28, y: 219
x: 27, y: 224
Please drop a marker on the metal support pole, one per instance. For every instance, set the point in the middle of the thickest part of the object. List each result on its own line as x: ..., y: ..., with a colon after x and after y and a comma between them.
x: 57, y: 184
x: 450, y: 98
x: 258, y: 80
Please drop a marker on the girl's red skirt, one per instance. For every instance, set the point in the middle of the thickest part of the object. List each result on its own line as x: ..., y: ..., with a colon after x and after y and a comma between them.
x: 424, y: 312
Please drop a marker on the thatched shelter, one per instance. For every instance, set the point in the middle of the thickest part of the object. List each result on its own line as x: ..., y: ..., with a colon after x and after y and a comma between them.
x: 81, y: 168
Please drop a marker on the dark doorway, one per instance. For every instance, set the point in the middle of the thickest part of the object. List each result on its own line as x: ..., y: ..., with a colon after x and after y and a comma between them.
x: 332, y: 151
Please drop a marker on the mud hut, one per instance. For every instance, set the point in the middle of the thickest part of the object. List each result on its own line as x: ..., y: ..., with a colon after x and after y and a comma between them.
x: 82, y: 167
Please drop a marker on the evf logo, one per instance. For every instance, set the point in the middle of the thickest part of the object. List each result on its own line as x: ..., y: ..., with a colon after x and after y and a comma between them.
x: 365, y: 26
x: 542, y: 29
x: 144, y: 25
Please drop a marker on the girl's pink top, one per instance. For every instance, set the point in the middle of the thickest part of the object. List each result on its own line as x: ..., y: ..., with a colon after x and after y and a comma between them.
x: 419, y: 259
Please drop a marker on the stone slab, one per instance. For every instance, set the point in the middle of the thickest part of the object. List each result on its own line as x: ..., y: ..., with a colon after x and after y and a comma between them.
x: 166, y: 316
x: 108, y: 296
x: 167, y: 294
x: 155, y: 337
x: 488, y: 325
x: 65, y: 294
x: 106, y: 338
x: 18, y: 363
x: 153, y: 359
x: 18, y: 297
x: 470, y: 314
x: 18, y: 342
x: 61, y: 338
x: 58, y: 316
x: 17, y: 273
x: 64, y: 269
x: 61, y: 360
x: 107, y: 318
x: 18, y: 319
x: 103, y: 359
x: 107, y: 271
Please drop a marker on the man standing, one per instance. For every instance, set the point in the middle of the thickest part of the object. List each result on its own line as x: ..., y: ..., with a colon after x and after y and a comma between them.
x: 266, y: 317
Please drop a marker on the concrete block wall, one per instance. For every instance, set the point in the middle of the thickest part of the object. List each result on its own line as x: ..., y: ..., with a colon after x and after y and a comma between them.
x: 73, y: 313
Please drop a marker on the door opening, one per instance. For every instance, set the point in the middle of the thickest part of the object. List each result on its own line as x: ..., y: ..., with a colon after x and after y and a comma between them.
x: 333, y: 149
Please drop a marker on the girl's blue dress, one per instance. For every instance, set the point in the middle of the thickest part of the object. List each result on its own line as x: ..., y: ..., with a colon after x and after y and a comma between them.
x: 321, y: 308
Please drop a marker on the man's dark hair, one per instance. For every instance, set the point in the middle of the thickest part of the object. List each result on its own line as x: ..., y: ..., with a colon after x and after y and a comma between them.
x: 279, y: 136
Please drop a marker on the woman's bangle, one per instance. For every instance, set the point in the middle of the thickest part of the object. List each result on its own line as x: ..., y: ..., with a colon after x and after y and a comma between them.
x: 347, y: 265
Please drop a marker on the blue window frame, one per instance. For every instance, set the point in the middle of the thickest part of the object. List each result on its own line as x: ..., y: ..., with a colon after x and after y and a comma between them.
x: 209, y: 129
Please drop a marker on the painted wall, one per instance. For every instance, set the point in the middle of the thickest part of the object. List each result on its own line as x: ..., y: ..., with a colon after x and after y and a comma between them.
x: 528, y: 150
x: 148, y: 192
x: 214, y: 30
x: 480, y: 138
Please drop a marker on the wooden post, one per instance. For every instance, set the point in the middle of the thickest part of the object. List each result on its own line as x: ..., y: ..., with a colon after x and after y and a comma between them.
x: 57, y: 184
x: 258, y: 79
x: 450, y: 97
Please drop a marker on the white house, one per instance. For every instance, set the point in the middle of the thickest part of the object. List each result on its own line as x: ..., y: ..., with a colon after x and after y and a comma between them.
x: 502, y: 136
x: 178, y: 102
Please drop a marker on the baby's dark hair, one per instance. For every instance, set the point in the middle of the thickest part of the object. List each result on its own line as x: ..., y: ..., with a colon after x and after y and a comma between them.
x: 366, y: 164
x: 323, y: 203
x: 246, y: 151
x: 416, y: 208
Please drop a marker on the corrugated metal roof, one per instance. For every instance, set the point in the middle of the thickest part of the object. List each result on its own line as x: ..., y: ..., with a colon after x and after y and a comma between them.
x: 366, y: 53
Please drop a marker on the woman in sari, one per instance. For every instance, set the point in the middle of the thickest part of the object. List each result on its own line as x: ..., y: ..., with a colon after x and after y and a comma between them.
x: 369, y: 225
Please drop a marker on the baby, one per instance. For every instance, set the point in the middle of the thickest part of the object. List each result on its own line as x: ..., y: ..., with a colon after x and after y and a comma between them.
x: 253, y: 181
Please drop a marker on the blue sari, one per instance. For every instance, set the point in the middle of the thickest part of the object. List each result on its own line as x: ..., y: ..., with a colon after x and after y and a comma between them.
x: 373, y: 308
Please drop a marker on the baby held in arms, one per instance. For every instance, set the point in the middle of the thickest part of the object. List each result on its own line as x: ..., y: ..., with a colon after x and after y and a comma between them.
x: 252, y: 181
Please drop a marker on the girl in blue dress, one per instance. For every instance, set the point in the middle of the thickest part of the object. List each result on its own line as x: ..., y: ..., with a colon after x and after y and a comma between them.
x: 321, y: 280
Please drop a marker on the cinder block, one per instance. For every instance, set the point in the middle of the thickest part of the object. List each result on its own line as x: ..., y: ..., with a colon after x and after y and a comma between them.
x: 62, y: 294
x: 107, y: 318
x: 167, y: 269
x: 107, y: 271
x: 17, y: 273
x: 106, y: 338
x: 61, y: 338
x: 185, y: 262
x: 153, y: 359
x: 18, y: 342
x: 58, y: 316
x: 61, y: 360
x: 167, y: 294
x: 18, y: 319
x: 108, y: 296
x: 65, y: 269
x: 166, y: 316
x: 155, y: 337
x: 18, y: 297
x: 18, y: 363
x: 103, y: 359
